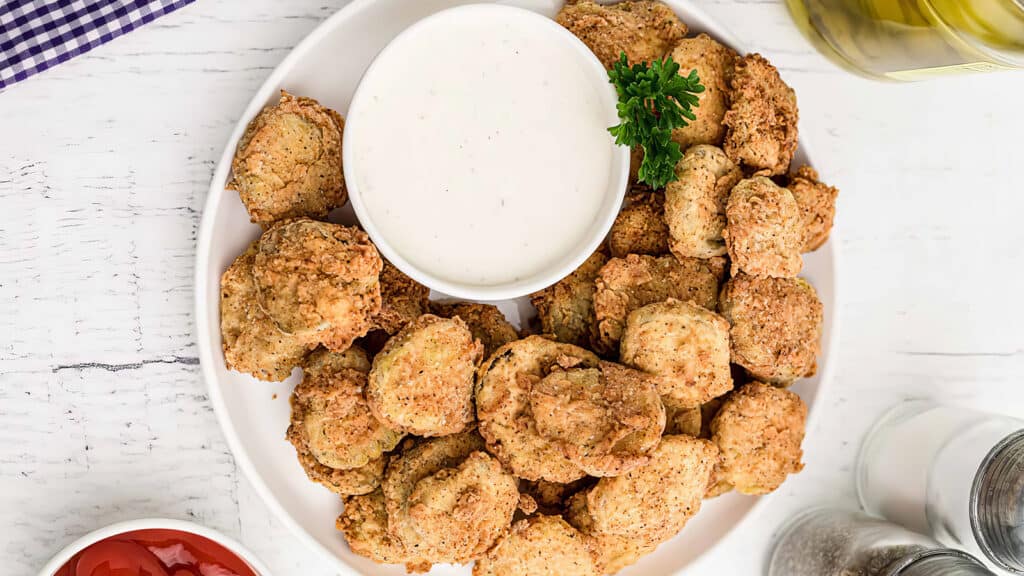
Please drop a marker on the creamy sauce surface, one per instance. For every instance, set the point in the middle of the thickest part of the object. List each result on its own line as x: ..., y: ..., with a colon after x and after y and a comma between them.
x: 481, y: 150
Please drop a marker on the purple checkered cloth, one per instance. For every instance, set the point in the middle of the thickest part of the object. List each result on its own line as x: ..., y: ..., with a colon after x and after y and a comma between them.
x: 38, y: 34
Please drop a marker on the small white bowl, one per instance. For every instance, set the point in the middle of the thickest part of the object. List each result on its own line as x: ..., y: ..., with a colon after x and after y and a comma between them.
x: 95, y: 536
x: 593, y: 231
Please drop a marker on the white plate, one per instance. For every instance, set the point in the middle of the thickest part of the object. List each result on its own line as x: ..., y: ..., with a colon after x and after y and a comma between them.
x: 327, y: 65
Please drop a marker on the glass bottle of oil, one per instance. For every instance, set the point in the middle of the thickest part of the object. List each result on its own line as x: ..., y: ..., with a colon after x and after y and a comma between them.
x: 915, y: 39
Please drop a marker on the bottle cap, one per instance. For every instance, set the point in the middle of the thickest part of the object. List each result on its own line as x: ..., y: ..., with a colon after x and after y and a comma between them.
x: 997, y: 504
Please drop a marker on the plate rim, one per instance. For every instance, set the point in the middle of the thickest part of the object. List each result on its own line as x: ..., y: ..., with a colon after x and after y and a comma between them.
x: 202, y: 306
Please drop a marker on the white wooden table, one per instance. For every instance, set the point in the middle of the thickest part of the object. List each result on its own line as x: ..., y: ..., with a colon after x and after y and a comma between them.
x: 104, y: 165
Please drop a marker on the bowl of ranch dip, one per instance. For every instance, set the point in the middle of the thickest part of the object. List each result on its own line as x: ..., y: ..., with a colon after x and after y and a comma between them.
x: 477, y: 155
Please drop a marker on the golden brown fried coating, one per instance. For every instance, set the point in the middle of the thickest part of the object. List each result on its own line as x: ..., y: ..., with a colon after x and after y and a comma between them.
x: 625, y: 284
x: 611, y: 552
x: 566, y: 309
x: 764, y: 233
x: 643, y: 29
x: 640, y: 226
x: 351, y: 482
x: 318, y: 280
x: 776, y: 326
x: 714, y: 64
x: 364, y: 523
x: 684, y: 347
x: 503, y: 408
x: 402, y: 300
x: 538, y: 546
x: 683, y: 420
x: 759, y: 431
x: 695, y: 202
x: 323, y: 362
x: 288, y: 162
x: 422, y: 381
x: 485, y: 321
x: 552, y: 497
x: 252, y: 343
x: 817, y: 202
x: 606, y: 419
x: 762, y: 119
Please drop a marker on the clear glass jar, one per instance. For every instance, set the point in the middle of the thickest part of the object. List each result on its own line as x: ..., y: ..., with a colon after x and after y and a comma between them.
x: 831, y: 542
x: 953, y: 473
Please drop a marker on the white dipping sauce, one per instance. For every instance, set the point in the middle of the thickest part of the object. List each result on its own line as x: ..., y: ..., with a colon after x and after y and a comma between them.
x: 478, y: 146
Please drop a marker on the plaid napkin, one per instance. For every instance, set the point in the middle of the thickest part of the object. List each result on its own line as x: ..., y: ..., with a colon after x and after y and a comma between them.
x: 38, y: 34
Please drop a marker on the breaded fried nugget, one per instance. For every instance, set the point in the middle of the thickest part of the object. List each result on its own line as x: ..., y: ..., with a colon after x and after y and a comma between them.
x: 764, y: 233
x: 364, y: 523
x: 695, y: 202
x: 252, y: 343
x: 611, y: 552
x: 538, y: 546
x: 684, y: 347
x: 566, y: 309
x: 714, y: 64
x: 402, y: 300
x: 640, y: 226
x: 643, y: 29
x: 817, y: 202
x: 762, y: 119
x: 422, y: 381
x: 288, y: 162
x: 776, y: 326
x: 485, y: 321
x: 625, y: 284
x: 351, y: 482
x: 606, y: 419
x: 503, y: 408
x: 759, y: 431
x: 683, y: 420
x: 318, y: 280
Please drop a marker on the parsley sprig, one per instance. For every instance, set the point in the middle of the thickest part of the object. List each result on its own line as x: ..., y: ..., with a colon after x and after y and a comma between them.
x: 653, y: 99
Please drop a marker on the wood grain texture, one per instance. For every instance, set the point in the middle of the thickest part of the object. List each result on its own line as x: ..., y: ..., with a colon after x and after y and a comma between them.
x: 104, y: 164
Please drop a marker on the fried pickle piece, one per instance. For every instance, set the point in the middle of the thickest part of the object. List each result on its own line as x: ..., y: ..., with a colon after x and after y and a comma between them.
x: 402, y: 300
x: 625, y: 284
x: 606, y: 419
x: 761, y: 123
x: 351, y: 482
x: 685, y: 347
x: 318, y: 280
x: 422, y: 381
x: 485, y: 321
x: 566, y: 309
x: 776, y: 326
x: 538, y: 546
x: 503, y: 408
x: 759, y: 431
x: 640, y: 226
x: 764, y: 233
x: 322, y: 362
x: 552, y: 497
x: 643, y: 29
x: 683, y: 420
x: 714, y: 63
x: 288, y: 162
x: 611, y: 552
x: 817, y: 202
x: 364, y: 523
x: 252, y: 343
x: 695, y: 202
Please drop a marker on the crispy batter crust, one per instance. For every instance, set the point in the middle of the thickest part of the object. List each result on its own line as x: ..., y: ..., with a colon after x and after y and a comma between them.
x: 351, y: 482
x: 611, y: 552
x: 684, y: 346
x: 625, y: 284
x: 695, y: 202
x: 762, y: 120
x: 764, y: 234
x: 539, y: 546
x: 402, y: 300
x: 640, y: 226
x: 422, y: 381
x: 552, y: 497
x: 364, y: 523
x: 759, y: 431
x: 643, y: 29
x: 776, y: 326
x: 288, y: 162
x: 714, y: 63
x: 566, y: 309
x: 503, y: 408
x: 485, y: 321
x: 817, y: 202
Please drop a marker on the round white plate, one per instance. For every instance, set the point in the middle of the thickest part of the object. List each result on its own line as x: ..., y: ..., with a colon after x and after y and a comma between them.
x: 327, y: 65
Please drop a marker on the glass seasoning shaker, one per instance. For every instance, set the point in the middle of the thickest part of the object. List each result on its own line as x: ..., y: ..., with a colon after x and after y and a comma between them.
x: 915, y: 39
x: 953, y: 473
x: 828, y: 542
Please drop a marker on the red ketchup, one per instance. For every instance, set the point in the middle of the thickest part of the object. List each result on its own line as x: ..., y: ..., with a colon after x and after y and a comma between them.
x: 156, y: 553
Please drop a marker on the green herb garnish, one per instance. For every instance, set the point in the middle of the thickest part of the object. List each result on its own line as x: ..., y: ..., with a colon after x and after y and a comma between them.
x: 653, y: 99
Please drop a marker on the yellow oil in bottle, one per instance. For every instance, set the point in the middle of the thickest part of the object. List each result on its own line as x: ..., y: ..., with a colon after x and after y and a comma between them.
x: 915, y: 39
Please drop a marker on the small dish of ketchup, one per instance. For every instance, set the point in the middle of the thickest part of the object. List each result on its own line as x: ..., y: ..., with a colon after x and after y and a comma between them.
x: 154, y: 547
